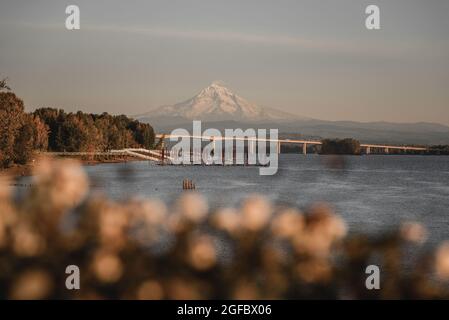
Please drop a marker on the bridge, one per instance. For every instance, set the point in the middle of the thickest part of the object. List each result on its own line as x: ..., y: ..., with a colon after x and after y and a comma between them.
x: 140, y: 153
x: 304, y: 143
x: 168, y: 156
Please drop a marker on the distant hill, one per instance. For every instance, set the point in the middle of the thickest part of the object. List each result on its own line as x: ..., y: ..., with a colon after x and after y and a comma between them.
x: 218, y: 107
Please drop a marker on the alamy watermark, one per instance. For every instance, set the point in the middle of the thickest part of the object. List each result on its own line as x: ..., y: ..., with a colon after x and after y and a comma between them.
x: 372, y: 21
x: 372, y: 282
x: 72, y: 282
x: 228, y: 149
x: 73, y: 22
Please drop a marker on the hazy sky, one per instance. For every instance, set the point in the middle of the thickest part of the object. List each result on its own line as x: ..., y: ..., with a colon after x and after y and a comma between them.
x: 313, y: 58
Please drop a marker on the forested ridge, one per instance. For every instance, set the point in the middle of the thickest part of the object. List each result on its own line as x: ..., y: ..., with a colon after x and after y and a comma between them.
x: 93, y: 132
x: 50, y: 129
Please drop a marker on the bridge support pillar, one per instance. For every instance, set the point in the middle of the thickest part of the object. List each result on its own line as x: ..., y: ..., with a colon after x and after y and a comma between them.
x: 163, y: 151
x: 368, y: 150
x: 304, y: 148
x: 387, y: 150
x: 279, y: 147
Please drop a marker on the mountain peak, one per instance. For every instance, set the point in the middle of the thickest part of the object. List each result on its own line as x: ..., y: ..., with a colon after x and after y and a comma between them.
x: 216, y: 89
x: 217, y: 103
x: 218, y: 84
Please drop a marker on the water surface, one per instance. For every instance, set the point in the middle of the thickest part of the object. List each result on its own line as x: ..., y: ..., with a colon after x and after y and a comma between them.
x: 372, y: 193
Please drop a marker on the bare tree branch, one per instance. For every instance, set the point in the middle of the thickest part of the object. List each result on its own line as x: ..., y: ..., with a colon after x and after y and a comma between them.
x: 3, y: 85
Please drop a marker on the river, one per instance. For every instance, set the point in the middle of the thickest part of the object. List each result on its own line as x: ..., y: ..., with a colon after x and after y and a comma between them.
x: 372, y: 193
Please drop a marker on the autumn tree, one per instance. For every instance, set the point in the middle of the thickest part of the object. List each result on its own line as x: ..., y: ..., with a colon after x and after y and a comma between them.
x: 20, y: 133
x: 11, y: 121
x: 94, y: 132
x: 24, y: 142
x: 52, y: 118
x: 40, y: 133
x: 143, y: 133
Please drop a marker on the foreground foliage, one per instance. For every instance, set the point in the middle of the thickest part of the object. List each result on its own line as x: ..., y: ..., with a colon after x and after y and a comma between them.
x: 142, y: 249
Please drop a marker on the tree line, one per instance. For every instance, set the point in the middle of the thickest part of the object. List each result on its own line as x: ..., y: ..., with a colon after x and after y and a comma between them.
x: 78, y: 132
x: 49, y: 129
x: 439, y: 150
x: 340, y: 146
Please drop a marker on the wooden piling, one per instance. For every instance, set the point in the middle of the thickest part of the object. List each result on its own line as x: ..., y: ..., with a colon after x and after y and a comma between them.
x: 188, y: 184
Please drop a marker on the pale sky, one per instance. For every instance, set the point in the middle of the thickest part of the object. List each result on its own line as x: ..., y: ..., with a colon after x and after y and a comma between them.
x: 312, y: 58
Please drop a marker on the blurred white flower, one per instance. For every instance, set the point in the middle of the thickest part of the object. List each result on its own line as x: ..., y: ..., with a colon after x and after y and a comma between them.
x: 442, y: 261
x: 27, y: 242
x: 287, y: 223
x: 323, y: 228
x: 31, y: 285
x: 226, y: 219
x: 413, y: 232
x: 192, y: 206
x: 202, y: 253
x: 113, y: 223
x: 59, y: 184
x: 107, y: 266
x: 256, y: 213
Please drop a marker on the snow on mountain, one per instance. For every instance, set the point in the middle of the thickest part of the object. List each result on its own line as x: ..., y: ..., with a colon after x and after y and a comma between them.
x: 218, y: 103
x: 220, y: 108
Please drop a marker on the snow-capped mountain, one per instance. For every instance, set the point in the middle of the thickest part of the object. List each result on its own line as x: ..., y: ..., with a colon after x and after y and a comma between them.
x: 218, y: 107
x: 218, y: 103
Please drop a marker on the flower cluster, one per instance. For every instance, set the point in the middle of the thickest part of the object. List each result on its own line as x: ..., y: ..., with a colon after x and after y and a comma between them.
x: 144, y: 249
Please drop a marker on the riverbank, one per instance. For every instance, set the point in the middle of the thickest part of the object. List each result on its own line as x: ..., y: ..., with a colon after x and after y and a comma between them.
x: 17, y: 170
x: 24, y: 170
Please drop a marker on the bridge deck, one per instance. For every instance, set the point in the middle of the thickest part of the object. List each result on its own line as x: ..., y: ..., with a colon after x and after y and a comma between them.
x: 151, y: 155
x: 283, y: 141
